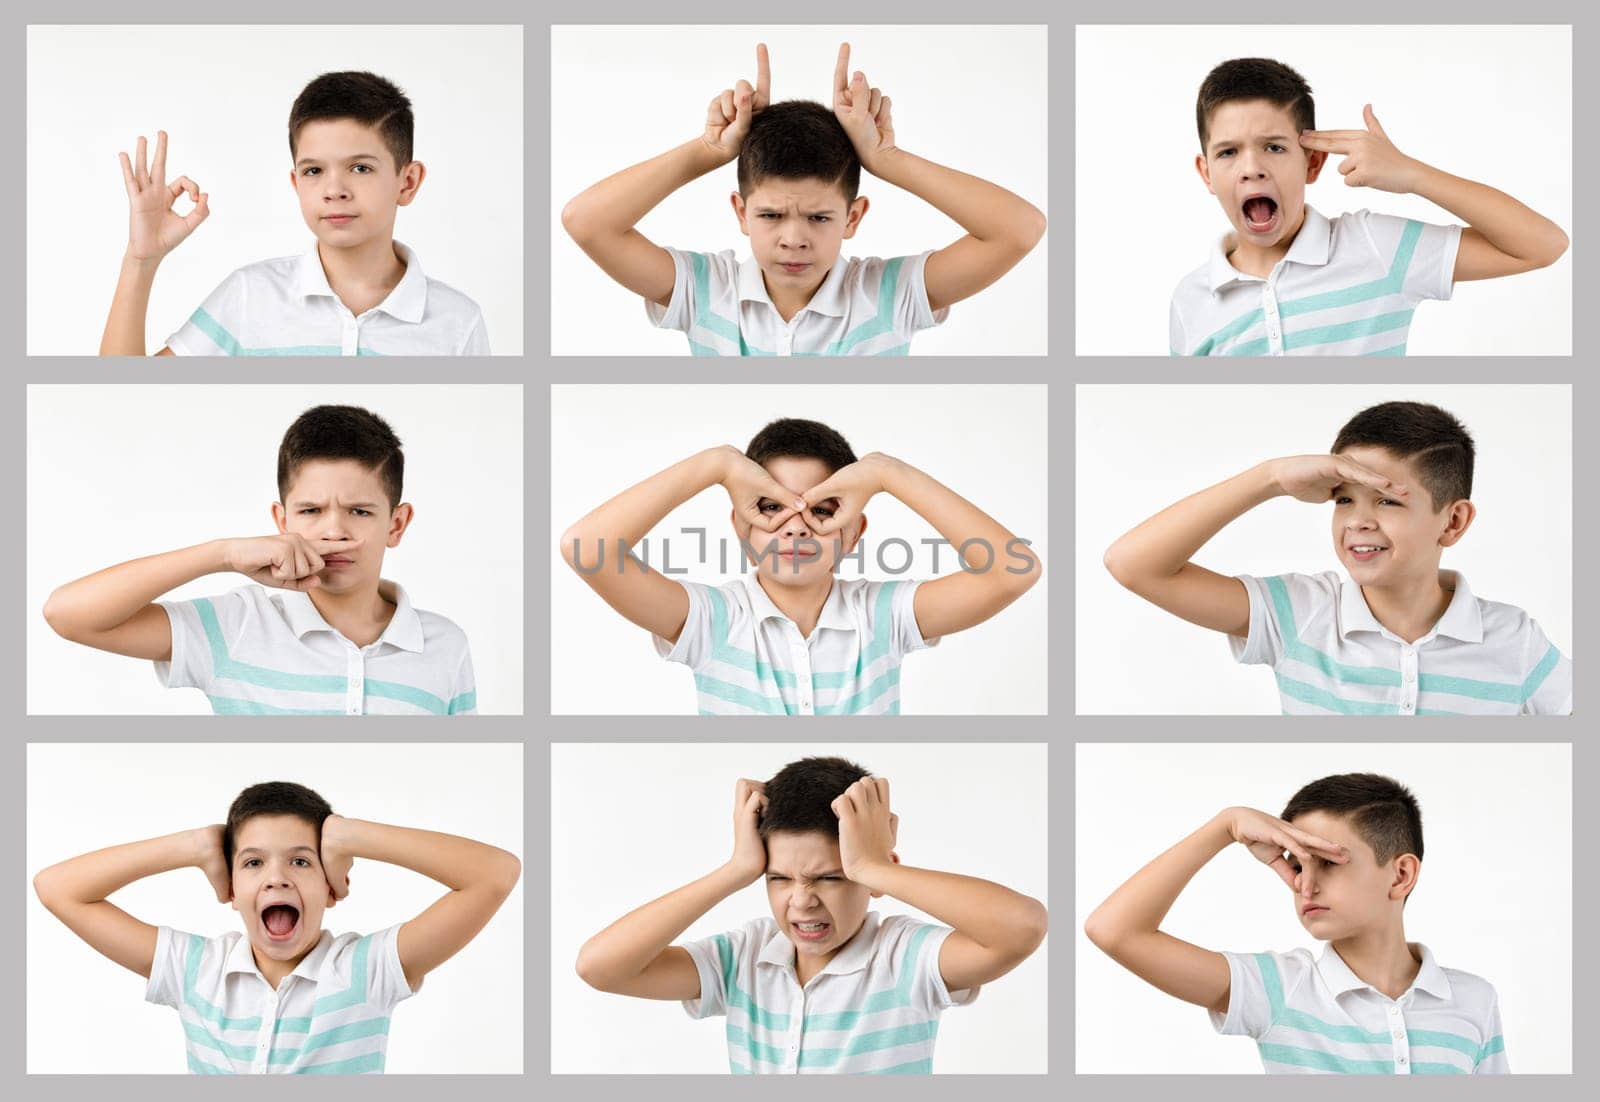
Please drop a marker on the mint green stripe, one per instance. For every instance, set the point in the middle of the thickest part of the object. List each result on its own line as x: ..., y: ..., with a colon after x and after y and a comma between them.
x: 756, y: 1050
x: 1493, y: 1045
x: 224, y: 666
x: 230, y: 345
x: 355, y: 1065
x: 736, y: 997
x: 234, y: 706
x: 708, y: 319
x: 200, y: 1036
x: 882, y: 322
x: 1310, y: 656
x: 1346, y: 331
x: 915, y: 1067
x: 738, y: 694
x: 408, y: 694
x: 1349, y: 1034
x: 875, y: 1041
x: 352, y: 1031
x: 861, y: 701
x: 291, y: 1025
x: 194, y: 1000
x: 1322, y: 698
x: 1551, y: 659
x: 1433, y: 1038
x: 1238, y: 325
x: 882, y: 627
x: 1271, y: 982
x: 200, y: 1067
x: 1298, y: 1057
x: 463, y: 702
x: 1494, y: 690
x: 723, y: 650
x: 356, y: 993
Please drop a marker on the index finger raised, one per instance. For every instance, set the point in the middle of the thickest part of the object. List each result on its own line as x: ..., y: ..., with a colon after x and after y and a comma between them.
x: 763, y: 72
x: 841, y: 69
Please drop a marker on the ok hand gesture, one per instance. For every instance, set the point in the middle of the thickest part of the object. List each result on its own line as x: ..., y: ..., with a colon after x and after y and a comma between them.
x: 729, y: 114
x: 154, y: 228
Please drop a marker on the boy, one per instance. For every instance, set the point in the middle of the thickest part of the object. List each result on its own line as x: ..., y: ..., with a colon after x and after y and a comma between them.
x: 799, y: 168
x: 336, y: 638
x: 823, y: 985
x: 1399, y: 636
x: 287, y: 996
x: 1350, y: 848
x: 359, y: 292
x: 792, y: 639
x: 1288, y: 281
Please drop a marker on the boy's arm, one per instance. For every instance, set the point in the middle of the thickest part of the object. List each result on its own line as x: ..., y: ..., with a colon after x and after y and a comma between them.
x: 642, y: 595
x: 154, y: 230
x: 113, y: 610
x: 75, y: 891
x: 1503, y: 237
x: 995, y: 928
x: 601, y: 220
x: 1127, y: 925
x: 479, y: 877
x: 635, y: 955
x: 1003, y: 568
x: 1002, y: 227
x: 1153, y: 559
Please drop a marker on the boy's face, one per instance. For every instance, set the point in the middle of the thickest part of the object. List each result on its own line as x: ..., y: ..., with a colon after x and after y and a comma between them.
x: 278, y: 885
x: 347, y: 182
x: 782, y: 556
x: 813, y: 903
x: 339, y: 499
x: 796, y: 228
x: 1255, y: 166
x: 1335, y: 901
x: 1386, y: 540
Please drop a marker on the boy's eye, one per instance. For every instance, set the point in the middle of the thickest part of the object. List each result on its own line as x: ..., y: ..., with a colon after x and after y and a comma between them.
x: 775, y: 878
x: 309, y: 509
x: 361, y: 168
x: 820, y: 217
x: 1275, y: 147
x: 1224, y: 152
x: 361, y: 512
x: 304, y: 862
x: 251, y: 862
x: 1342, y: 499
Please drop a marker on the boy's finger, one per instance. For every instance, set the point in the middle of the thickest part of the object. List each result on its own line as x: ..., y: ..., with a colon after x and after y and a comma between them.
x: 141, y: 168
x: 841, y: 68
x: 1347, y: 166
x: 1372, y: 121
x: 158, y: 171
x: 127, y: 175
x: 199, y: 214
x: 763, y: 74
x: 729, y: 110
x: 875, y: 103
x: 883, y: 115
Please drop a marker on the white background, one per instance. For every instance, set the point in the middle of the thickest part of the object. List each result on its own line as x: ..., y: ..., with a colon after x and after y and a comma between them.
x: 1142, y: 448
x: 81, y: 797
x: 1492, y: 104
x: 970, y: 98
x: 631, y: 822
x: 120, y: 472
x: 1494, y: 897
x: 223, y: 95
x: 988, y: 444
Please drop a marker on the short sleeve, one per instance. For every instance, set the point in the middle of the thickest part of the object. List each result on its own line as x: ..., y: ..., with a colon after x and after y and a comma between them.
x: 1177, y: 344
x: 911, y: 309
x: 464, y: 687
x: 923, y: 943
x: 717, y: 958
x: 1492, y: 1053
x: 1264, y: 643
x: 477, y: 342
x: 386, y: 977
x: 1547, y: 686
x: 1256, y: 983
x: 702, y: 284
x: 1421, y: 255
x: 695, y: 642
x: 193, y: 623
x: 210, y: 329
x: 907, y: 635
x: 165, y: 986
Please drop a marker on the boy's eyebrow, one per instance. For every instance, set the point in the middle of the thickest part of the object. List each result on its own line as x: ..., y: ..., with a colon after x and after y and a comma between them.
x: 351, y: 157
x: 780, y: 210
x: 253, y: 849
x: 1221, y: 142
x: 349, y: 505
x: 808, y: 876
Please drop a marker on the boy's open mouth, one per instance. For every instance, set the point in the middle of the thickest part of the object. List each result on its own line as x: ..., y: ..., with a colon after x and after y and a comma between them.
x: 280, y: 921
x: 811, y: 931
x: 1366, y: 552
x: 1260, y: 214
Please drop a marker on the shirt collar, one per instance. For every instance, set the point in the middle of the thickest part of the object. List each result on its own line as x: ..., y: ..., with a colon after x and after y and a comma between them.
x: 404, y: 630
x: 242, y: 959
x: 828, y: 298
x: 853, y: 957
x: 1462, y: 618
x: 833, y: 614
x: 1312, y: 245
x: 1339, y: 978
x: 406, y: 302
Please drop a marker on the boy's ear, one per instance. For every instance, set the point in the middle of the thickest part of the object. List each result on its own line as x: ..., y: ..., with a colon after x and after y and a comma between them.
x: 1204, y: 169
x: 853, y: 217
x: 280, y: 517
x: 399, y: 521
x: 738, y: 209
x: 1460, y: 518
x: 1407, y: 868
x: 411, y: 178
x: 1314, y: 162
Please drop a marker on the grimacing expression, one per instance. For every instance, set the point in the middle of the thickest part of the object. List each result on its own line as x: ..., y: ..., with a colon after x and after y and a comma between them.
x: 348, y: 184
x: 812, y: 902
x: 1385, y: 539
x: 279, y: 888
x: 339, y: 499
x: 1256, y: 167
x: 795, y: 554
x: 1334, y: 900
x: 796, y: 229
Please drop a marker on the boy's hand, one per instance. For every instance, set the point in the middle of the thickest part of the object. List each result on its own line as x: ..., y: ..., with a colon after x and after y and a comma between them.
x: 1267, y: 838
x: 154, y: 228
x: 210, y: 860
x: 853, y: 486
x: 862, y: 111
x: 1313, y: 477
x: 286, y: 561
x: 867, y: 827
x: 749, y: 485
x: 728, y: 117
x: 1370, y: 158
x: 749, y: 858
x: 336, y: 857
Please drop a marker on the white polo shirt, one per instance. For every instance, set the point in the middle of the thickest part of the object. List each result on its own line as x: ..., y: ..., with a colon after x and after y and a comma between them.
x: 864, y: 307
x: 285, y: 307
x: 874, y: 1008
x: 330, y: 1016
x: 1315, y: 1015
x: 258, y: 651
x: 1345, y: 288
x: 750, y: 659
x: 1331, y: 655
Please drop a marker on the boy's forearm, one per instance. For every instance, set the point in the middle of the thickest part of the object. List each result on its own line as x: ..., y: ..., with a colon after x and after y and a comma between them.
x: 124, y: 333
x: 94, y: 876
x: 1162, y: 545
x: 618, y: 202
x: 460, y: 864
x: 106, y: 599
x: 990, y: 914
x: 1139, y: 905
x: 960, y: 522
x: 636, y: 510
x: 1510, y: 226
x: 985, y: 210
x: 626, y: 947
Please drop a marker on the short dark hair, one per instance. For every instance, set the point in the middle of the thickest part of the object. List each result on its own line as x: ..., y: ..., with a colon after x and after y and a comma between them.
x: 273, y: 798
x: 1382, y: 810
x: 800, y: 796
x: 365, y: 97
x: 796, y: 438
x: 1427, y: 437
x: 1254, y: 78
x: 342, y: 432
x: 799, y: 139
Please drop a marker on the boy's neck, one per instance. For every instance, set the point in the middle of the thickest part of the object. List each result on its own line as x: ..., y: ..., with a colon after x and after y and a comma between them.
x: 808, y: 967
x: 803, y: 605
x: 363, y: 275
x: 1410, y: 611
x: 273, y: 971
x: 360, y: 616
x: 790, y: 303
x: 1260, y: 262
x: 1382, y: 958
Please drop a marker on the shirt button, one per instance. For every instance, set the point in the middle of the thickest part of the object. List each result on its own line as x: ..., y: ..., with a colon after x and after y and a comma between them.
x: 1402, y: 1058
